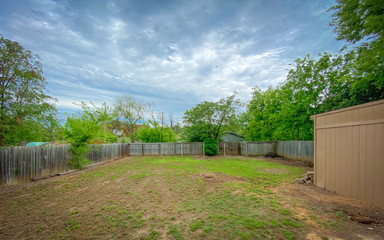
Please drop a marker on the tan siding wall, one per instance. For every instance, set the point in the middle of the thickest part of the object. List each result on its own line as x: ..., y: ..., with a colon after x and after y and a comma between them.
x: 349, y: 152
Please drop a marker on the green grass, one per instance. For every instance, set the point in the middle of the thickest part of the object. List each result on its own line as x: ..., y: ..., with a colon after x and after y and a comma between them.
x: 176, y: 231
x: 157, y: 197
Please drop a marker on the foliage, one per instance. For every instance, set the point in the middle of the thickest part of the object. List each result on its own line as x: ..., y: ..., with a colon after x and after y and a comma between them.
x: 312, y: 86
x: 176, y: 128
x: 327, y: 83
x: 24, y: 105
x: 210, y: 147
x: 131, y: 111
x: 110, y: 137
x: 81, y: 129
x: 155, y: 133
x: 358, y: 20
x: 210, y: 119
x: 363, y: 22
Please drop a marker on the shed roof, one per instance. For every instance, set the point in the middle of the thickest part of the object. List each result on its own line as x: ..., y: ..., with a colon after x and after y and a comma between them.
x: 233, y: 133
x: 348, y: 108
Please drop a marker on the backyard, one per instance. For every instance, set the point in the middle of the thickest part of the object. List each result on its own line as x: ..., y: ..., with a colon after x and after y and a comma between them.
x: 183, y: 198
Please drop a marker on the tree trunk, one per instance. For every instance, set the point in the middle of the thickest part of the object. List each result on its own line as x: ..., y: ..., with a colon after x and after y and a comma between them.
x: 298, y: 134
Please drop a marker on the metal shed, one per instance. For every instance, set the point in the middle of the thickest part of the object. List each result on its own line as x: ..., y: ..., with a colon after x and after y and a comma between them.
x: 349, y: 151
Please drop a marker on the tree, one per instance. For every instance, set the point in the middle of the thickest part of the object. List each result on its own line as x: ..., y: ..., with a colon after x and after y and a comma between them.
x: 115, y: 125
x: 155, y: 133
x: 208, y: 120
x: 171, y: 120
x: 362, y: 22
x: 79, y: 130
x: 177, y: 128
x: 261, y: 120
x: 51, y: 126
x: 131, y: 111
x: 357, y: 20
x: 312, y: 86
x: 22, y: 89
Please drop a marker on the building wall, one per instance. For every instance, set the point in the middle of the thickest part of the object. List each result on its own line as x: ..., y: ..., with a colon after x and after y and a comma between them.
x: 349, y: 152
x: 232, y: 138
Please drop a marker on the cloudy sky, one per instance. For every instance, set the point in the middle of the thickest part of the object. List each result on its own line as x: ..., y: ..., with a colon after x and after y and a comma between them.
x: 171, y: 53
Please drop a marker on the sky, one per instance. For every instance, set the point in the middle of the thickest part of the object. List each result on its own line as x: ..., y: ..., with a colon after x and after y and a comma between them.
x: 174, y: 54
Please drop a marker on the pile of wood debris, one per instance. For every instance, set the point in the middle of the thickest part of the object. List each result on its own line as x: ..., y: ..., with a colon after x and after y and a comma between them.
x: 307, y: 179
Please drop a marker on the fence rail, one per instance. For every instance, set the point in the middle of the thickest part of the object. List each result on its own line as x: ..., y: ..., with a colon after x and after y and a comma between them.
x: 257, y: 148
x: 296, y: 150
x: 20, y: 164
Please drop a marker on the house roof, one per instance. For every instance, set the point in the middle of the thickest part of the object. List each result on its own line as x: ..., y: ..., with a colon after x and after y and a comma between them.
x: 233, y: 133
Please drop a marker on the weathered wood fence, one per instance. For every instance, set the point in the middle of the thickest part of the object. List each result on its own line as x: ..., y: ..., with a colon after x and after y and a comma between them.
x: 20, y: 164
x: 296, y: 150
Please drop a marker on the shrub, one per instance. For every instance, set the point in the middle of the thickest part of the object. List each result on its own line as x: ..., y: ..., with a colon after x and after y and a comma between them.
x: 110, y: 138
x: 210, y: 147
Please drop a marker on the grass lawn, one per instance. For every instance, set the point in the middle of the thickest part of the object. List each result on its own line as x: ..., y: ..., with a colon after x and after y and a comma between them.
x: 158, y: 198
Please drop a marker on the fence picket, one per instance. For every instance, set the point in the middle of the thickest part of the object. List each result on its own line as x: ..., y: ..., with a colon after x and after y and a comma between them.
x: 20, y: 164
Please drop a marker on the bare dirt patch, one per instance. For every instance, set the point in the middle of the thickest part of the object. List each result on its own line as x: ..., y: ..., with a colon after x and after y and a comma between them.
x: 331, y: 215
x: 219, y: 178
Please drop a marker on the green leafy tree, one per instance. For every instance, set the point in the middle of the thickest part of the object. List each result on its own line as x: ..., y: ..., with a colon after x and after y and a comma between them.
x: 208, y: 120
x: 44, y: 128
x: 313, y: 85
x: 260, y: 118
x: 23, y: 101
x: 155, y: 133
x: 79, y: 130
x: 361, y: 22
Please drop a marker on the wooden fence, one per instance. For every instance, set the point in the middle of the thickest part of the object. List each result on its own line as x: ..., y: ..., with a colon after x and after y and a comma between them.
x: 21, y: 164
x: 296, y: 150
x: 257, y: 148
x: 229, y: 148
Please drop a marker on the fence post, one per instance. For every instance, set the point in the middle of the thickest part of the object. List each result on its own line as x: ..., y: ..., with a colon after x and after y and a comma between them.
x: 246, y: 146
x: 142, y: 149
x: 275, y: 147
x: 203, y: 149
x: 128, y: 149
x: 159, y: 149
x: 181, y: 149
x: 224, y: 148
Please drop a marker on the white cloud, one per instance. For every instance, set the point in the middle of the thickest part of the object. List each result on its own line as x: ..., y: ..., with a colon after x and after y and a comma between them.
x: 175, y: 55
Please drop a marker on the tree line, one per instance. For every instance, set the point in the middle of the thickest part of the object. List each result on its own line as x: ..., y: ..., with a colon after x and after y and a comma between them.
x: 313, y: 85
x: 327, y: 82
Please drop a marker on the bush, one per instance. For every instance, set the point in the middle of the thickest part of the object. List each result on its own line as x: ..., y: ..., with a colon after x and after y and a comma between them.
x: 152, y: 134
x: 79, y: 155
x: 110, y: 138
x: 210, y: 147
